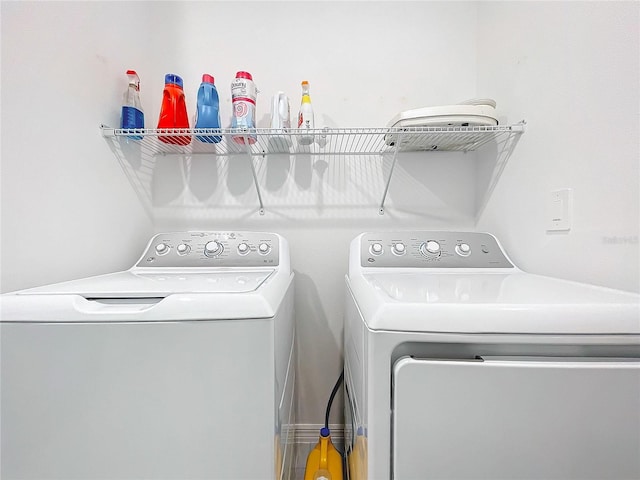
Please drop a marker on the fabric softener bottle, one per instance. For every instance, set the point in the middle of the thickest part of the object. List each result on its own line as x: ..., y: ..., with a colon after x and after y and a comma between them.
x: 208, y: 109
x: 132, y: 116
x: 243, y: 103
x: 173, y: 113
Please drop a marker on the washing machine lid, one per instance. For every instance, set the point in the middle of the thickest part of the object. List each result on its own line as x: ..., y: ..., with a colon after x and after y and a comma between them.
x: 498, y: 302
x: 193, y: 275
x: 153, y: 296
x: 158, y: 283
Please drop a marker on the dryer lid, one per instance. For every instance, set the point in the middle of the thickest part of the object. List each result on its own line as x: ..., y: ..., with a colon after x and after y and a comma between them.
x: 158, y: 283
x: 492, y: 303
x: 497, y: 288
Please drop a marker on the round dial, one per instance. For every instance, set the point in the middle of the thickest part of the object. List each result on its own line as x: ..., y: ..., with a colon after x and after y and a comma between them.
x: 264, y: 248
x: 213, y: 248
x: 243, y: 248
x: 183, y: 249
x: 463, y: 249
x: 430, y: 248
x: 376, y: 249
x: 162, y: 249
x: 399, y: 248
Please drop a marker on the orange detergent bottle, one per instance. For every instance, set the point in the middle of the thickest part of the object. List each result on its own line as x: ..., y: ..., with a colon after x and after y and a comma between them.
x: 173, y: 113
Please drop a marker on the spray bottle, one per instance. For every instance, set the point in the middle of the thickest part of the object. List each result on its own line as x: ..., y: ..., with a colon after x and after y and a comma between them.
x: 305, y: 117
x: 132, y: 116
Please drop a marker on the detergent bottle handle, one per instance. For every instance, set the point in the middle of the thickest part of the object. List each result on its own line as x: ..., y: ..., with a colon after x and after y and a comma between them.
x: 174, y: 104
x: 324, y: 453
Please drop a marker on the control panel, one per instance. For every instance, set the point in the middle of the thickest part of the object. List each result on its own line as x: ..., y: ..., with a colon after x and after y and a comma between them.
x: 212, y: 249
x: 432, y: 250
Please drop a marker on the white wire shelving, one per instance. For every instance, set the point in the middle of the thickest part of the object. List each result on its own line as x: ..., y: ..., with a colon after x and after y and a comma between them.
x: 327, y: 142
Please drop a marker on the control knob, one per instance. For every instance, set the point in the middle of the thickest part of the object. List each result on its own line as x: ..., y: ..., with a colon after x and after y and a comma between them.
x: 430, y: 248
x: 463, y: 249
x: 243, y: 248
x: 162, y: 249
x: 376, y: 249
x: 213, y: 248
x: 183, y: 249
x: 264, y: 248
x: 399, y: 248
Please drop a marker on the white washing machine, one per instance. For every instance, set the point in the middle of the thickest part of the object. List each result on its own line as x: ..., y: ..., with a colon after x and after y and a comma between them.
x: 180, y: 368
x: 461, y: 366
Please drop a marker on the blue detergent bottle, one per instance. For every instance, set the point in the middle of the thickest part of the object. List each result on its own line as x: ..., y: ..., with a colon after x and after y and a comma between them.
x: 208, y: 109
x: 132, y: 116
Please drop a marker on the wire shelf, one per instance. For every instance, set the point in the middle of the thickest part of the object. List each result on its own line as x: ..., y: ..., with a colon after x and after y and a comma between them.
x: 138, y: 151
x: 328, y: 141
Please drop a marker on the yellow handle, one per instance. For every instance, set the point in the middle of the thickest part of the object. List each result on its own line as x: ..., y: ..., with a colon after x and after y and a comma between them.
x: 324, y: 453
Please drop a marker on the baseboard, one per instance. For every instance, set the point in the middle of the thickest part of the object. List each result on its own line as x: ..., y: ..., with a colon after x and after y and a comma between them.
x: 305, y: 433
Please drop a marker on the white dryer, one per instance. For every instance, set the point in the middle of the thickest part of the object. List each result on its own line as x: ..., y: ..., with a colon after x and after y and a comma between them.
x: 180, y: 368
x: 458, y: 365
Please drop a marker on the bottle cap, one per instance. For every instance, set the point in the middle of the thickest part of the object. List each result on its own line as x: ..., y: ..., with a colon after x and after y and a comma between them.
x: 304, y: 82
x: 324, y: 432
x: 206, y: 78
x: 134, y: 79
x: 246, y: 75
x: 173, y: 78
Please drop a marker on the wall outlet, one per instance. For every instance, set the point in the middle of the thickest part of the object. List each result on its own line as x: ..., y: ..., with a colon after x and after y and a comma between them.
x: 560, y: 210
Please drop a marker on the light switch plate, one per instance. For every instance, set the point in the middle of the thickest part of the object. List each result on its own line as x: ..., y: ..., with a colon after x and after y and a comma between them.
x: 559, y: 210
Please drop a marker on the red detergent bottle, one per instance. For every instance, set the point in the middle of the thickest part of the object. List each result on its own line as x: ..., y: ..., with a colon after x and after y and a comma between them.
x: 173, y: 113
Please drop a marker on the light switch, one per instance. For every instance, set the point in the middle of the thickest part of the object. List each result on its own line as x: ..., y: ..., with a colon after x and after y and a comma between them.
x: 559, y: 210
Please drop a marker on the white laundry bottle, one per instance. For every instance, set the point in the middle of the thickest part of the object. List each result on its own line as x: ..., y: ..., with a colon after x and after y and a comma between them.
x: 280, y: 141
x: 305, y: 117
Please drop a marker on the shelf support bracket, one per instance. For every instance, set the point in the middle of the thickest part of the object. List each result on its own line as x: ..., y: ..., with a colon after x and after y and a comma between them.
x: 393, y: 165
x: 253, y: 172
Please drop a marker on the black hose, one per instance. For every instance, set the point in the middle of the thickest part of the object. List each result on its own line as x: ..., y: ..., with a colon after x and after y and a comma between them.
x: 333, y: 394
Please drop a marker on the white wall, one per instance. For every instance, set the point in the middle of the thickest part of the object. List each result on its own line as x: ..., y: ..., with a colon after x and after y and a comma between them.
x: 67, y: 210
x: 64, y: 192
x: 571, y: 70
